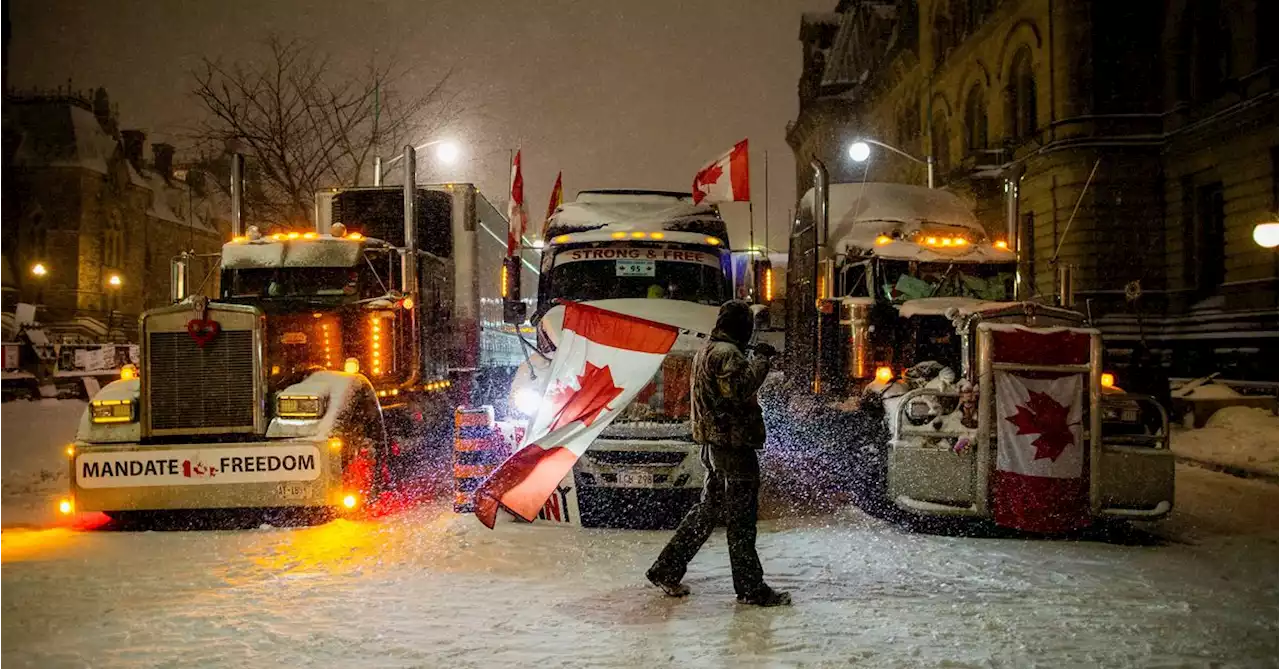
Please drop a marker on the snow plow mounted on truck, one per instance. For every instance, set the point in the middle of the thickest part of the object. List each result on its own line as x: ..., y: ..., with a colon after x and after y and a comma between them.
x: 913, y: 353
x: 324, y: 372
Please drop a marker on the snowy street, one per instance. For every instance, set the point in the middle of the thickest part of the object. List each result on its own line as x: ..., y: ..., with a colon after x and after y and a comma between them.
x: 427, y: 588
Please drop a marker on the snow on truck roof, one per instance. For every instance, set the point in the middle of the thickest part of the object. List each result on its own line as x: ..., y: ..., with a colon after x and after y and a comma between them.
x: 636, y: 210
x: 304, y: 251
x: 861, y: 214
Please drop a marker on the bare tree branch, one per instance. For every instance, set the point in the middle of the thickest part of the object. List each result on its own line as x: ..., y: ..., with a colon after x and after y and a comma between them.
x: 306, y: 125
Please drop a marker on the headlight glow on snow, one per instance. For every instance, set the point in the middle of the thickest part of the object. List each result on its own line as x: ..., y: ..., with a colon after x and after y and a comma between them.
x: 527, y: 401
x: 111, y: 411
x: 299, y: 406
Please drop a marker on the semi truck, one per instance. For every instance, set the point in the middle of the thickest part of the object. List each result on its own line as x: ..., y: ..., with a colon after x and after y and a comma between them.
x: 325, y: 371
x: 656, y: 255
x: 902, y: 318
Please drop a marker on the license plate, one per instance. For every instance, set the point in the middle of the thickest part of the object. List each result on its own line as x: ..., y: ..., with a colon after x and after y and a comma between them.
x: 293, y: 490
x: 636, y: 479
x: 633, y: 267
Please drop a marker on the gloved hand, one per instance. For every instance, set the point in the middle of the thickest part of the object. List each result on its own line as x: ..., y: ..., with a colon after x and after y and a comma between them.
x: 765, y: 350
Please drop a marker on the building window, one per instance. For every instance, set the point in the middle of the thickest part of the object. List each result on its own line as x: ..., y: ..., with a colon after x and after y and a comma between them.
x: 1027, y: 248
x: 1209, y: 239
x: 1020, y: 104
x: 943, y: 40
x: 940, y: 144
x: 113, y: 242
x: 975, y: 120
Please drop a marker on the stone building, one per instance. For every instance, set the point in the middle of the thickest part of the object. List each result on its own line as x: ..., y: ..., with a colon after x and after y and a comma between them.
x: 82, y: 201
x: 1136, y: 141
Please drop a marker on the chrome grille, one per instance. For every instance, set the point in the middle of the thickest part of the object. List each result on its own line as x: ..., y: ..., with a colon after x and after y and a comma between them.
x: 194, y: 387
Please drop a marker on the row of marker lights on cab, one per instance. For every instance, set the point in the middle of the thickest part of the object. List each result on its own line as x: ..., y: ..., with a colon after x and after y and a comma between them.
x: 561, y: 239
x: 283, y: 236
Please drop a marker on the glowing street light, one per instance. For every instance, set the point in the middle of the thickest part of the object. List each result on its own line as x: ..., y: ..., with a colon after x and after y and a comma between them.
x: 447, y: 152
x: 39, y: 269
x: 1267, y: 235
x: 860, y: 151
x: 115, y: 281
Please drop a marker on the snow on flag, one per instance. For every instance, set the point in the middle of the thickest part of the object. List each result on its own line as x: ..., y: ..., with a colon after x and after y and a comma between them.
x: 725, y: 179
x: 1040, y: 483
x: 557, y: 198
x: 603, y: 360
x: 515, y: 208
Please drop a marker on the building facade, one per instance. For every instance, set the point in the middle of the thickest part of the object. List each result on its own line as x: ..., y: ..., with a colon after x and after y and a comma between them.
x: 1133, y: 141
x: 90, y: 224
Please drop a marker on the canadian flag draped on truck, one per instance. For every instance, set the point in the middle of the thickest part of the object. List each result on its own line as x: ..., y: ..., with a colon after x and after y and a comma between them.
x: 603, y: 360
x: 725, y: 179
x: 515, y: 208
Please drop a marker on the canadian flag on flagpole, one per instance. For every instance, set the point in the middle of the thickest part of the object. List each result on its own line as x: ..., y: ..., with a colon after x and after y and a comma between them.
x: 557, y: 198
x: 515, y: 208
x: 1040, y: 483
x: 725, y: 179
x: 602, y: 362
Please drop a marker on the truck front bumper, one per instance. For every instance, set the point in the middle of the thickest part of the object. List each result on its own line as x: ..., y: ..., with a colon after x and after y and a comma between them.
x: 136, y: 477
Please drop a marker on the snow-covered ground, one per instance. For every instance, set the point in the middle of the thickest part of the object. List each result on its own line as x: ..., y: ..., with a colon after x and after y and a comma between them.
x: 1241, y: 438
x: 33, y: 440
x: 427, y: 588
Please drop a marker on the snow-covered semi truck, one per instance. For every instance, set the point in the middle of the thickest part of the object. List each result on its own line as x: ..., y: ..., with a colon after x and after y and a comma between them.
x: 330, y: 362
x: 650, y: 254
x: 908, y: 341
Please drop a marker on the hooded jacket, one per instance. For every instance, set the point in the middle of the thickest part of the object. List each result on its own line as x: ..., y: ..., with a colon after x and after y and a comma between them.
x: 725, y: 411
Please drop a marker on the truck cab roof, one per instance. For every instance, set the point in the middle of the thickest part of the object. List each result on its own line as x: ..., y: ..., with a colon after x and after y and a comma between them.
x: 631, y: 210
x: 295, y: 249
x: 900, y: 221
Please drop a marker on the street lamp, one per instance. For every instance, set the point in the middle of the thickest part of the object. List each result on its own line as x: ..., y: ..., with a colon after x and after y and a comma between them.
x: 39, y: 270
x: 447, y: 152
x: 860, y: 151
x: 114, y: 281
x: 1267, y: 235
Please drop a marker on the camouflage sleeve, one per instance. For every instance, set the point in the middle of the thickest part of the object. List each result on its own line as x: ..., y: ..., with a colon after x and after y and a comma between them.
x: 737, y: 377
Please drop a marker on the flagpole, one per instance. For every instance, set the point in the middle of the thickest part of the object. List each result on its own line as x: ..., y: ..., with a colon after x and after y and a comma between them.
x: 766, y: 203
x: 751, y: 248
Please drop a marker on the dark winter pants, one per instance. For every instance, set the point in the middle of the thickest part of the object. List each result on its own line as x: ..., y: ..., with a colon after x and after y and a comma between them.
x: 732, y: 493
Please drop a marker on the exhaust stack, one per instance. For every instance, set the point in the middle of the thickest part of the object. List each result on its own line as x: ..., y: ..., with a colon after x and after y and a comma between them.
x: 820, y: 215
x: 1012, y: 178
x: 237, y: 194
x: 179, y: 271
x: 409, y: 263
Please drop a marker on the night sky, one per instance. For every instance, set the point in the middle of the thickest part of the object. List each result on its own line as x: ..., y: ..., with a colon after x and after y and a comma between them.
x: 616, y: 94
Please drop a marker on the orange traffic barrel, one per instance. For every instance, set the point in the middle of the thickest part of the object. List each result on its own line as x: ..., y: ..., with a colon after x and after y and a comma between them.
x: 477, y: 451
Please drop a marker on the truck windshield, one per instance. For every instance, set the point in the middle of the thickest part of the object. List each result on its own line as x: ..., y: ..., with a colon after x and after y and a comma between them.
x: 607, y: 273
x: 283, y: 283
x: 903, y: 280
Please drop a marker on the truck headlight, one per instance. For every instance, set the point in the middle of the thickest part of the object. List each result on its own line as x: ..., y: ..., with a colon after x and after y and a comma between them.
x: 112, y: 411
x: 527, y: 401
x: 299, y: 406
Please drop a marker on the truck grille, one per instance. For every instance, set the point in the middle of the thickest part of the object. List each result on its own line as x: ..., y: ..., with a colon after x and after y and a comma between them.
x: 194, y: 387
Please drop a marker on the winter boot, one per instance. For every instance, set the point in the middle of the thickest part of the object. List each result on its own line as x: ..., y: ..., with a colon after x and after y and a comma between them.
x: 670, y: 589
x: 767, y: 596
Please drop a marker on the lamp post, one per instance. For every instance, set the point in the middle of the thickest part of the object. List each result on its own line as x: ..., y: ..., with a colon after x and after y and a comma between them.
x: 114, y: 282
x: 40, y: 272
x: 1267, y: 235
x: 447, y: 152
x: 860, y: 151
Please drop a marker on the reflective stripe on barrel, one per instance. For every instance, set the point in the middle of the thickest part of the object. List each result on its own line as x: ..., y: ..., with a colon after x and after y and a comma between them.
x: 477, y: 451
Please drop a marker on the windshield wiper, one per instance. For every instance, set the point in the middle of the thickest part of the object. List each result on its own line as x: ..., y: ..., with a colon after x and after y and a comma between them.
x: 938, y: 286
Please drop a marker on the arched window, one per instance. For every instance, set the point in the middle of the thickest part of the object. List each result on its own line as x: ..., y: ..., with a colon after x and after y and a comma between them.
x: 113, y: 241
x: 975, y: 120
x: 940, y: 144
x: 1020, y: 103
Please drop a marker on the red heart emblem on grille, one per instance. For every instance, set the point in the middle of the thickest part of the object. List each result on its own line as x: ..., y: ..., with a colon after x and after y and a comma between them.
x: 202, y: 331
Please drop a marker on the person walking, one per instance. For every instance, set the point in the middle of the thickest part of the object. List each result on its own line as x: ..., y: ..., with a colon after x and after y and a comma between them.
x: 727, y: 422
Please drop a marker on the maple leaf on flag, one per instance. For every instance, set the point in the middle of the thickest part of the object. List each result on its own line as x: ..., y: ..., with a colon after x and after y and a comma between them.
x: 1044, y: 416
x: 707, y: 177
x: 594, y: 393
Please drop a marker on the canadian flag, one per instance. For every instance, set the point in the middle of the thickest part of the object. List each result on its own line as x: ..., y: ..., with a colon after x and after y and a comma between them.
x: 725, y: 179
x: 1040, y: 483
x: 603, y: 360
x: 515, y: 208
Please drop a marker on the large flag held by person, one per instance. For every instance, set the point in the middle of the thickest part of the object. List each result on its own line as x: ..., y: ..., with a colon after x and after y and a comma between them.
x: 603, y: 360
x: 557, y: 198
x: 725, y: 179
x: 515, y: 208
x: 1040, y: 483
